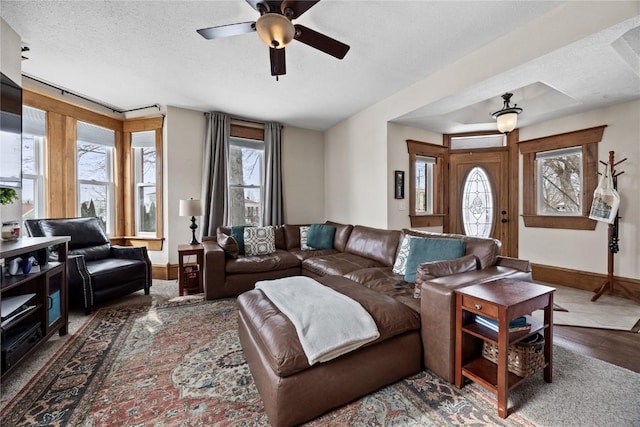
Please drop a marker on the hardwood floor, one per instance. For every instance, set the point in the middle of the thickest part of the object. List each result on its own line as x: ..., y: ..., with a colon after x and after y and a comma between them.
x: 620, y: 348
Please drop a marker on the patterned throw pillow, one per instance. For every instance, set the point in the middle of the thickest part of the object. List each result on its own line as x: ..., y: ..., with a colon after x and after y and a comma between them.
x: 400, y: 266
x: 259, y: 240
x: 304, y: 233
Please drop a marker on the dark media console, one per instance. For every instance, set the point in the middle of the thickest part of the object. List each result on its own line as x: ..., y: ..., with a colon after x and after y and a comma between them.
x: 33, y: 306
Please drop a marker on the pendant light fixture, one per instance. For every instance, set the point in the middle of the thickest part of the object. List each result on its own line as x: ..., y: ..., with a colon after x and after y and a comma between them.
x: 507, y: 117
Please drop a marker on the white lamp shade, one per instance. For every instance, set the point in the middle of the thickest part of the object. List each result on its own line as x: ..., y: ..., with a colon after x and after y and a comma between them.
x: 190, y: 207
x: 507, y: 122
x: 275, y: 30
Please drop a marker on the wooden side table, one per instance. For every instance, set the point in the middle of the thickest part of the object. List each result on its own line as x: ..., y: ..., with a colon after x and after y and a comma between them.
x: 501, y: 300
x: 190, y: 272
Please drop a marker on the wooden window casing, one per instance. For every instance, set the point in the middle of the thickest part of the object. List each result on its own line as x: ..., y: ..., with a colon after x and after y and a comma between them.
x: 129, y: 183
x: 60, y: 169
x: 588, y: 139
x: 440, y: 153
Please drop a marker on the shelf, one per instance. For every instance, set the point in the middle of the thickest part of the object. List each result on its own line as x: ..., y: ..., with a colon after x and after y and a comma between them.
x: 485, y: 372
x: 490, y: 335
x: 20, y: 317
x: 9, y: 282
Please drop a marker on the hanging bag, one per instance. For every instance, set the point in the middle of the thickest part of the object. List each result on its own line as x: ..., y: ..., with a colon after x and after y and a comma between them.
x: 605, y: 199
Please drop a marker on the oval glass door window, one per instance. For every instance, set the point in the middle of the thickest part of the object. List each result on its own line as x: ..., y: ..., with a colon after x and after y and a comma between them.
x: 477, y: 204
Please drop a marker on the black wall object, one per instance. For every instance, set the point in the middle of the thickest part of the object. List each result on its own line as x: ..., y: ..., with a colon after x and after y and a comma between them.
x: 399, y: 184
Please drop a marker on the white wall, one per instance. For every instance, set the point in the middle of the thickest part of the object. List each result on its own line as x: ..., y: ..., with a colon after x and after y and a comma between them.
x: 303, y: 175
x: 184, y: 133
x: 582, y: 249
x: 398, y: 159
x: 10, y: 53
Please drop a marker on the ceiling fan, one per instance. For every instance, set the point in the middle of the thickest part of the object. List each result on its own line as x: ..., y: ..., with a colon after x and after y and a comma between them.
x: 276, y: 30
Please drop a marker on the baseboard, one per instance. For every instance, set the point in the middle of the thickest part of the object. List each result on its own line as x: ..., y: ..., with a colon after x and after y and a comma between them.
x: 164, y: 271
x: 581, y: 279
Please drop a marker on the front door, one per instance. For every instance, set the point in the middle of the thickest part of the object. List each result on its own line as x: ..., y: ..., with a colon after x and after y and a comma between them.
x: 479, y: 195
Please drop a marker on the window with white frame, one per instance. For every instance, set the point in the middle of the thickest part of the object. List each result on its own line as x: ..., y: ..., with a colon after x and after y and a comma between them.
x: 143, y: 146
x: 246, y: 179
x: 33, y: 141
x: 559, y: 184
x: 424, y: 185
x: 94, y: 156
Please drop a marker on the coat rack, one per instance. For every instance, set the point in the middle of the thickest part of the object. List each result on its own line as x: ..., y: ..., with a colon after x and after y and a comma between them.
x: 610, y: 283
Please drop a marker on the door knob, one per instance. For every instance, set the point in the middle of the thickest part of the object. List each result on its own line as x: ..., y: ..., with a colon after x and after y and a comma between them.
x: 503, y: 212
x: 504, y: 220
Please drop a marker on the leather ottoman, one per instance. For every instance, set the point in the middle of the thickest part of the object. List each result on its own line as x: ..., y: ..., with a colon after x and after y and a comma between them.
x: 293, y: 391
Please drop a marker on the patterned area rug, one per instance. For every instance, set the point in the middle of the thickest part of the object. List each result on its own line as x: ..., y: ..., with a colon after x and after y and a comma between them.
x: 180, y: 363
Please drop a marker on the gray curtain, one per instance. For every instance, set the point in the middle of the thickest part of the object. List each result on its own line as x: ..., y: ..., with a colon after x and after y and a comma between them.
x: 214, y: 173
x: 273, y: 207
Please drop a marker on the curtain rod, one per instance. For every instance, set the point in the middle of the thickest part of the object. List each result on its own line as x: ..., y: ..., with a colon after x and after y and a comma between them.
x: 242, y: 119
x: 107, y: 106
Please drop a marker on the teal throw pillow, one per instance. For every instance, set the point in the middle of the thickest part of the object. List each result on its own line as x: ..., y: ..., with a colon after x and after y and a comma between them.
x: 237, y: 232
x: 320, y: 236
x: 430, y: 249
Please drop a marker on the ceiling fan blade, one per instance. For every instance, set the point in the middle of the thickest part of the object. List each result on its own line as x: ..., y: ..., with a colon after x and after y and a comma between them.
x: 278, y: 64
x: 297, y: 7
x: 321, y: 42
x: 227, y: 30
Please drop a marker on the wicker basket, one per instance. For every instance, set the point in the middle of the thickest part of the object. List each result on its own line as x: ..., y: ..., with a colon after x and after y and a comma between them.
x: 525, y: 358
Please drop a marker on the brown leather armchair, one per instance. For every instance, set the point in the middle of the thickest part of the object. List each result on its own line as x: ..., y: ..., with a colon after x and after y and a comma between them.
x: 97, y: 271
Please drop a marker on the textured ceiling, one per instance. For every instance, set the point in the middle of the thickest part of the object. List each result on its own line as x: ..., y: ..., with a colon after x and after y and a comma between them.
x: 136, y: 53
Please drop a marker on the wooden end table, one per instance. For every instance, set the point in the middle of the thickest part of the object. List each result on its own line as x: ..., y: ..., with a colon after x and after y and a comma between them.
x: 501, y: 300
x: 190, y: 272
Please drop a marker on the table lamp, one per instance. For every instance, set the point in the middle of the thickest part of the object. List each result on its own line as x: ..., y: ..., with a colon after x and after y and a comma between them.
x: 192, y: 208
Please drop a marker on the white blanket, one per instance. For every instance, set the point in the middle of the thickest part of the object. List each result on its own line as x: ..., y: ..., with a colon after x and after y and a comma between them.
x: 328, y: 323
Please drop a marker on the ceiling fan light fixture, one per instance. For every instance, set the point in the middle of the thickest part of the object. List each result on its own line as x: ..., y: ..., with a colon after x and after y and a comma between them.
x: 507, y: 117
x: 275, y: 30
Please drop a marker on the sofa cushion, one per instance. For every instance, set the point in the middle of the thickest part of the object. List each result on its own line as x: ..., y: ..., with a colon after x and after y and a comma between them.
x: 227, y: 243
x: 320, y: 236
x: 343, y: 231
x: 384, y: 280
x: 400, y: 264
x: 337, y: 264
x: 88, y: 236
x: 304, y: 234
x: 278, y: 260
x: 374, y: 243
x: 425, y: 250
x: 237, y: 232
x: 259, y: 240
x: 112, y: 272
x: 310, y: 253
x: 429, y: 270
x: 485, y: 249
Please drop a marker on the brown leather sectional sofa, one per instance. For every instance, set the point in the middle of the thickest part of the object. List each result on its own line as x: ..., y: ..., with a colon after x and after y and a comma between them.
x: 416, y: 322
x: 365, y: 256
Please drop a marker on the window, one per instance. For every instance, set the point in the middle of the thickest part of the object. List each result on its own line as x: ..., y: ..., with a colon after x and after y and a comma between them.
x: 33, y: 141
x: 246, y: 178
x: 477, y: 204
x: 143, y: 145
x: 426, y: 185
x: 94, y: 156
x: 560, y: 174
x: 560, y: 181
